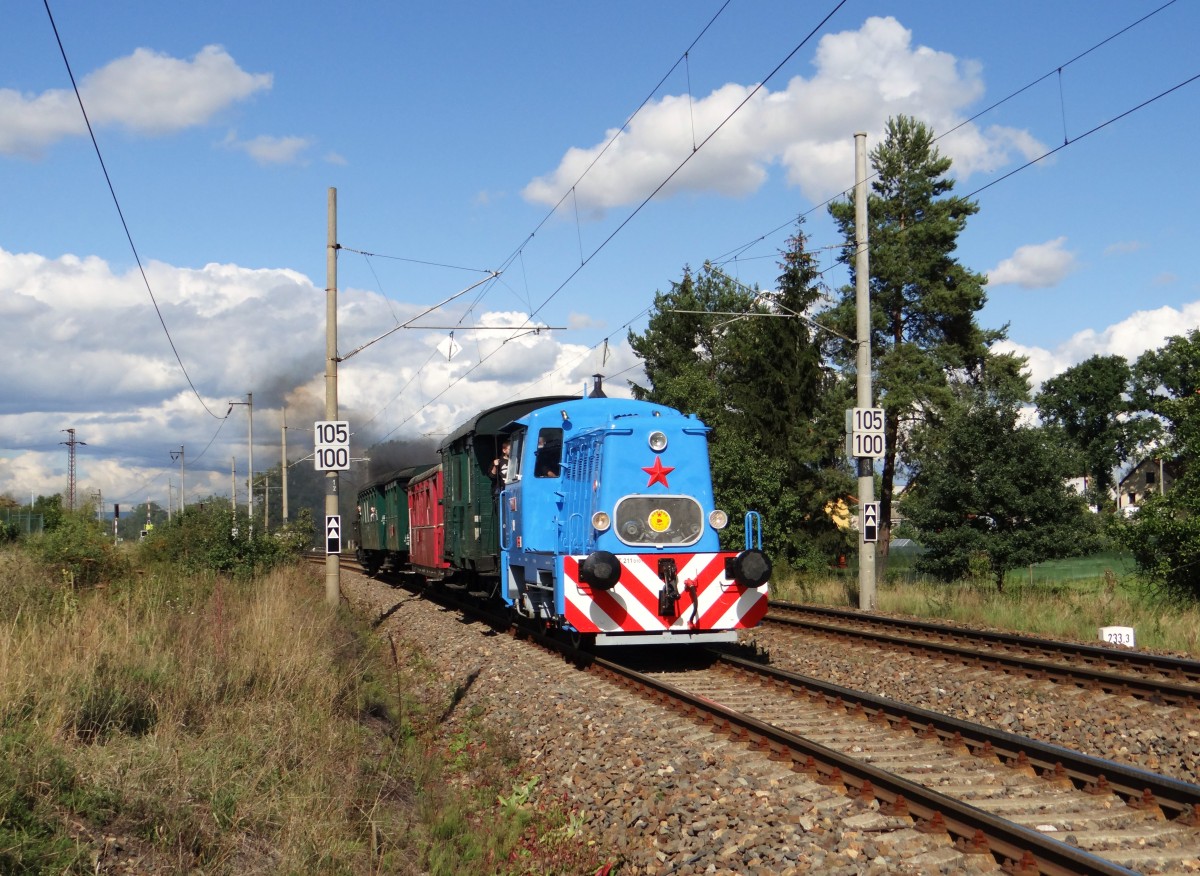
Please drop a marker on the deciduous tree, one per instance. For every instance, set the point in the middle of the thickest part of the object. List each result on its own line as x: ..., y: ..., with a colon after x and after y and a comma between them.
x: 1164, y: 534
x: 992, y: 490
x: 1090, y: 402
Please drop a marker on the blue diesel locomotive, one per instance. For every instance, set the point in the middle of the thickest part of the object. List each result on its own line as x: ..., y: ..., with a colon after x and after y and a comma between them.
x: 604, y: 525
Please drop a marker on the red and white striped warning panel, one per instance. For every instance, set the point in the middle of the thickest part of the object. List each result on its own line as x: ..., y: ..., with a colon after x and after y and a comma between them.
x: 707, y: 600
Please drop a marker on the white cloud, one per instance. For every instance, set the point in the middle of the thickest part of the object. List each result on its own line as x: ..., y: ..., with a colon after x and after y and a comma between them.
x: 1124, y: 247
x: 863, y: 77
x: 1141, y: 331
x: 102, y: 364
x: 1035, y: 266
x: 146, y: 91
x: 270, y: 150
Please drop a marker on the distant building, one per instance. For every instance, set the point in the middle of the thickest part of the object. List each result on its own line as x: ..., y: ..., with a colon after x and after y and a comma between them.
x: 1079, y: 486
x: 1150, y: 477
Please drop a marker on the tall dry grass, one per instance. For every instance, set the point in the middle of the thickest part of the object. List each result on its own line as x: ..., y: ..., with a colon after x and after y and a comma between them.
x: 239, y: 727
x: 222, y: 722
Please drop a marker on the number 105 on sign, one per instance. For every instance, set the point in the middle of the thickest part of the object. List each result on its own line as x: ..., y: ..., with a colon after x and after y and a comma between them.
x: 864, y: 420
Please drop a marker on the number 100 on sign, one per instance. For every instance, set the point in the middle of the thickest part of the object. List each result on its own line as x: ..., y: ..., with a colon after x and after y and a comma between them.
x: 867, y: 444
x: 333, y: 458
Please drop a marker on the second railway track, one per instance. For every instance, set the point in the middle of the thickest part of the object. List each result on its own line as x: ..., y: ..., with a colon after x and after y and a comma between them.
x: 1158, y: 679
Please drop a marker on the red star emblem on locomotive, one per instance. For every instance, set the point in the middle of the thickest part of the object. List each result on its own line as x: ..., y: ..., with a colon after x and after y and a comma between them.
x: 658, y: 472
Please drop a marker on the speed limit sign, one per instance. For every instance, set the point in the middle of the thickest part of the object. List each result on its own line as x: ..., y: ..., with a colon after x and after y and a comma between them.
x: 865, y: 433
x: 331, y: 445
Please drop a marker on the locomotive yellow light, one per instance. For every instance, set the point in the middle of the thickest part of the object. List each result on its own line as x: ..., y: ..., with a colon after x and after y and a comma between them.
x: 601, y: 521
x: 718, y: 519
x: 658, y: 441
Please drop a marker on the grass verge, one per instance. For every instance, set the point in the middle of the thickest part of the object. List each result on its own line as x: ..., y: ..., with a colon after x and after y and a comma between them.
x: 201, y: 724
x: 1069, y: 599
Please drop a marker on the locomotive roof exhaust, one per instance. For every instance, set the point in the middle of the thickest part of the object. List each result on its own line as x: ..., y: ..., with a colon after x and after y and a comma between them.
x: 597, y: 387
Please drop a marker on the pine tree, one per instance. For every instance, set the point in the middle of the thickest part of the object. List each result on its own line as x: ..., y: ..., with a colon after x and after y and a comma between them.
x: 924, y: 334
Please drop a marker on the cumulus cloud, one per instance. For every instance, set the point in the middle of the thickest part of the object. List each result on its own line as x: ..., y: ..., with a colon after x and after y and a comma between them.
x: 863, y: 77
x: 1035, y: 266
x: 1141, y: 331
x: 270, y: 150
x: 102, y: 364
x: 147, y: 92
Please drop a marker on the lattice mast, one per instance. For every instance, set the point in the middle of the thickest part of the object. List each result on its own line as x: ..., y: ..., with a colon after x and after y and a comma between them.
x: 71, y: 443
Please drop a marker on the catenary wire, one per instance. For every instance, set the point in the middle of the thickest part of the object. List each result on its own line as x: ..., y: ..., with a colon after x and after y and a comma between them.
x: 732, y: 255
x: 724, y: 258
x: 518, y: 252
x: 116, y: 202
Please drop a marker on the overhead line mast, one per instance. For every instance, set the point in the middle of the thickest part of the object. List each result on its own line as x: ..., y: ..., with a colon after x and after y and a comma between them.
x: 333, y: 568
x: 862, y: 307
x: 71, y: 445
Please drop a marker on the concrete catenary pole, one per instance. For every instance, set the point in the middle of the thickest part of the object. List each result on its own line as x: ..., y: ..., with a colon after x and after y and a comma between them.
x: 333, y: 569
x: 862, y: 310
x: 284, y: 465
x: 250, y: 462
x: 179, y: 456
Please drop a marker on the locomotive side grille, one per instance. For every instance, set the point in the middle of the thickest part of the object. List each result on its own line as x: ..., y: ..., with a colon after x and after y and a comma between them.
x: 582, y: 458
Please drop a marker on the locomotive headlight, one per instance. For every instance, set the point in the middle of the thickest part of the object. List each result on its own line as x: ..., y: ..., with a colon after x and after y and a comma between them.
x: 658, y: 441
x: 718, y: 519
x: 750, y: 568
x: 600, y: 570
x: 601, y: 521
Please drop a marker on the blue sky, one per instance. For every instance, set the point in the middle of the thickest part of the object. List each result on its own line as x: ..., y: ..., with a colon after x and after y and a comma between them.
x: 452, y: 131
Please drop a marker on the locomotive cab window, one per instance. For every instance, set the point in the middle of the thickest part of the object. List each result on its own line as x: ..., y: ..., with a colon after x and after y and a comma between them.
x: 658, y: 520
x: 515, y: 452
x: 547, y: 460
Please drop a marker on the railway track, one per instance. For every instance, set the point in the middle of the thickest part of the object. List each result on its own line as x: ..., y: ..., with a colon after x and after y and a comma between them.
x: 1031, y: 806
x: 1158, y: 679
x: 1035, y: 808
x: 1038, y: 807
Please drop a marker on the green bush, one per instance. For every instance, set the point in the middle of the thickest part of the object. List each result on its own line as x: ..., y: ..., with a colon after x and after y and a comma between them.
x: 216, y: 539
x: 81, y: 550
x: 35, y: 779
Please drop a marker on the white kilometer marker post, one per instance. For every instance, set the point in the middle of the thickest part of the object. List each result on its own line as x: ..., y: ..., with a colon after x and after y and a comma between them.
x: 1118, y: 636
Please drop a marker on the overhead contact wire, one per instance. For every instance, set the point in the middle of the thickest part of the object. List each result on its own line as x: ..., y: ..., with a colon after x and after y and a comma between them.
x: 116, y: 202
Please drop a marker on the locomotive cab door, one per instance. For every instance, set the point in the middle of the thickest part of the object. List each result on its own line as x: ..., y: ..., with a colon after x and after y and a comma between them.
x: 532, y: 500
x: 530, y: 509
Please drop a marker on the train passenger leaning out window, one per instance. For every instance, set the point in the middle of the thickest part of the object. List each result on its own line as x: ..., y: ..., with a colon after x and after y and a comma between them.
x: 500, y: 463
